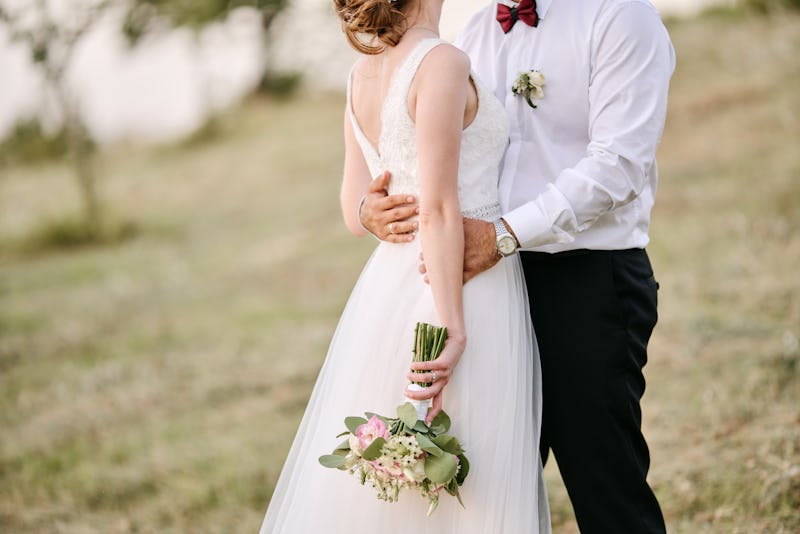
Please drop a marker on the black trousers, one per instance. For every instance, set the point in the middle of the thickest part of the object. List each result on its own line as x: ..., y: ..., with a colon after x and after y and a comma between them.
x: 593, y: 313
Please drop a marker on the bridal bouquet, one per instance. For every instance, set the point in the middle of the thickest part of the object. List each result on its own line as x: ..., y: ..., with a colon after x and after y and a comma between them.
x: 405, y: 452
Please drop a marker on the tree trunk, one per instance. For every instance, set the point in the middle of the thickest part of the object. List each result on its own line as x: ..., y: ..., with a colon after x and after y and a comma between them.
x: 80, y: 154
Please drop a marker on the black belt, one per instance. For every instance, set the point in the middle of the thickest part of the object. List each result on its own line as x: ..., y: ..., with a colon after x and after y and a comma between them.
x: 535, y: 256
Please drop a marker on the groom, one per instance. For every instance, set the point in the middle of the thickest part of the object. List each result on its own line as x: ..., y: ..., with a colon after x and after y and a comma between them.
x: 577, y: 185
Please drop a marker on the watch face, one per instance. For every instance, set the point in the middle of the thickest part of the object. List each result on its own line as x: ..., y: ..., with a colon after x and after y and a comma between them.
x: 506, y: 245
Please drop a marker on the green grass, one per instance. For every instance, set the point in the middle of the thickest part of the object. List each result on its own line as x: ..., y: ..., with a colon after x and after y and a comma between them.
x: 155, y: 384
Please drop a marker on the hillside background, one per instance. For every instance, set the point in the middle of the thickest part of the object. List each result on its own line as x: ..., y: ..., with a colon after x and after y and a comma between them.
x: 153, y: 382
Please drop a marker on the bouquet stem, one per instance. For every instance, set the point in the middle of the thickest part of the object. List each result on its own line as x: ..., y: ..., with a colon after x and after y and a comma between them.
x: 428, y: 345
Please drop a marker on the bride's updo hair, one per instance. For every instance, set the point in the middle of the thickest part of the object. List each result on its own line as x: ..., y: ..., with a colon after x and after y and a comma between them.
x: 372, y: 25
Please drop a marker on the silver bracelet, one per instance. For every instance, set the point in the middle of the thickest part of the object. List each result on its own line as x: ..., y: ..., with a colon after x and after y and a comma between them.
x: 358, y: 214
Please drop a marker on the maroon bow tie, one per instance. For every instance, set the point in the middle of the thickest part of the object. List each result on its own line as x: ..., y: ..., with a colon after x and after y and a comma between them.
x: 524, y: 11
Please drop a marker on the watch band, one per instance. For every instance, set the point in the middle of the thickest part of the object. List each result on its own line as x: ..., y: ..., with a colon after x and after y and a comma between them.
x: 505, y: 238
x: 499, y: 228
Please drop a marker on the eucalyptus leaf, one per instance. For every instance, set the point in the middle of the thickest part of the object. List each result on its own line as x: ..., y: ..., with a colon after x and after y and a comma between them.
x: 407, y: 414
x: 448, y: 443
x: 421, y: 427
x: 374, y: 450
x: 464, y: 469
x: 440, y: 469
x: 346, y: 432
x: 332, y: 461
x: 443, y: 420
x: 428, y: 446
x: 354, y: 422
x: 343, y: 446
x: 457, y: 495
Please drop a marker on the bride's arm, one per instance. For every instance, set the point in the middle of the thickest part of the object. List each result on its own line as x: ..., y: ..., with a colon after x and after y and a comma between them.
x: 442, y: 88
x: 355, y: 180
x: 380, y: 210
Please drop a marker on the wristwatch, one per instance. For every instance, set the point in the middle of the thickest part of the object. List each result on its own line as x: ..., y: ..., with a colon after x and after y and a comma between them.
x: 506, y: 243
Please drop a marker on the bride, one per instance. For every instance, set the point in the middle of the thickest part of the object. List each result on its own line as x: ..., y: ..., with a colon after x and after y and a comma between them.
x: 415, y: 108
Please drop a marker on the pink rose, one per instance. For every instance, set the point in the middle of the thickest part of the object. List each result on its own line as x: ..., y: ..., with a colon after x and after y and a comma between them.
x: 370, y: 431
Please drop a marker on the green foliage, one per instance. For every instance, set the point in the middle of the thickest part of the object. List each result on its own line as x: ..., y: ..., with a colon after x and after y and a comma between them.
x: 407, y: 414
x: 427, y: 445
x: 143, y: 16
x: 766, y: 6
x: 281, y: 85
x: 373, y: 452
x: 29, y: 143
x: 332, y: 461
x: 440, y: 469
x: 352, y: 423
x: 72, y: 231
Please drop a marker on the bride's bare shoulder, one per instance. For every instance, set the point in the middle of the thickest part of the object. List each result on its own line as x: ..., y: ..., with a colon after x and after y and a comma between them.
x: 446, y: 62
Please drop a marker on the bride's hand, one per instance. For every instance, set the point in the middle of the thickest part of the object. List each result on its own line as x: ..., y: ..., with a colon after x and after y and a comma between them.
x: 443, y: 366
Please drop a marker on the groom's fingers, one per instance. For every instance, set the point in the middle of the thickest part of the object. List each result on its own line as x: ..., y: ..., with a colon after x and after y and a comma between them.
x: 404, y: 227
x: 380, y: 183
x: 408, y: 202
x: 401, y: 213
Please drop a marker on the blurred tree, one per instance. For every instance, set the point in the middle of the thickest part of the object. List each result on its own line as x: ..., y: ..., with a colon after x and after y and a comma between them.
x: 52, y: 31
x: 145, y: 16
x: 766, y: 6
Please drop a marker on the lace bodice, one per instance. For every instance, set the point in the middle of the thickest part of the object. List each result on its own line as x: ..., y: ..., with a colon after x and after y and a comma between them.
x: 482, y: 142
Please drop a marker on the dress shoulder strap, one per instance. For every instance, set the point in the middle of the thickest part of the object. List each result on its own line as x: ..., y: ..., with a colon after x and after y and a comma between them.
x: 408, y: 68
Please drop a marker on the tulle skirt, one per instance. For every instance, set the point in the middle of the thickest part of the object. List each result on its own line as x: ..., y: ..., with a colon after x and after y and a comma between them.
x: 493, y: 400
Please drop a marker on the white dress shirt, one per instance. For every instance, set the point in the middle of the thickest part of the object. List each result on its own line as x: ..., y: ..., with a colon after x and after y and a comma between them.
x: 580, y: 169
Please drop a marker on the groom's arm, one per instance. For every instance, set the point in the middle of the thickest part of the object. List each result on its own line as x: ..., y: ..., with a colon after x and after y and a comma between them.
x: 632, y: 62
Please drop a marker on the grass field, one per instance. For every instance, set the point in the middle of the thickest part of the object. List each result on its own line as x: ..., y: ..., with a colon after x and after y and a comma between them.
x: 154, y: 385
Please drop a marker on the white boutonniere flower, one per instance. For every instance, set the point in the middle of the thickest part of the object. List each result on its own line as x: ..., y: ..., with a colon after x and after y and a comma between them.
x: 530, y: 85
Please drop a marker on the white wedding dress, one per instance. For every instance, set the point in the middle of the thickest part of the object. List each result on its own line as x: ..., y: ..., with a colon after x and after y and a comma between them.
x: 494, y: 396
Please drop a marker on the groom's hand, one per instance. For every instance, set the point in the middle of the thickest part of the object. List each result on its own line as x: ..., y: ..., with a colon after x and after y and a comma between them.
x: 480, y: 249
x: 388, y: 216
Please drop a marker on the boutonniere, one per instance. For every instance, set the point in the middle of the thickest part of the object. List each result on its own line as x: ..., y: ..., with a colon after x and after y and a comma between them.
x: 529, y: 84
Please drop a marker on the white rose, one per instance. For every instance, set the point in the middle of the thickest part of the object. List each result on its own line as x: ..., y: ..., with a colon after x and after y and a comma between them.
x: 536, y: 78
x: 416, y: 472
x: 355, y: 445
x: 537, y: 92
x: 351, y: 460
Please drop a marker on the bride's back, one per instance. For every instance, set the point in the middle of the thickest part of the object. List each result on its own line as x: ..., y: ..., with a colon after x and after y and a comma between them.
x: 372, y: 78
x: 381, y: 102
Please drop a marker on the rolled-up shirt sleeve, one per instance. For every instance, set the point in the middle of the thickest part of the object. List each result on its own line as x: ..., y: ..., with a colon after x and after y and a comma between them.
x: 632, y: 61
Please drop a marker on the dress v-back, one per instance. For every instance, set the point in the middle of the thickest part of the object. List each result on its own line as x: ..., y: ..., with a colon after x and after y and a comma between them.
x: 494, y: 395
x: 482, y: 141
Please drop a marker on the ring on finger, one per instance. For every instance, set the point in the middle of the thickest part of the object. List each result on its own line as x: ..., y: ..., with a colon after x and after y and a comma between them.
x: 434, y: 377
x: 391, y: 227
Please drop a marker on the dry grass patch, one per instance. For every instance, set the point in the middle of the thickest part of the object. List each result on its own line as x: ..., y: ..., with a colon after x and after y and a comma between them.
x: 155, y: 386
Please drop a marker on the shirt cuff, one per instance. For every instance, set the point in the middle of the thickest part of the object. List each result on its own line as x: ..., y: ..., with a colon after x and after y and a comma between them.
x: 533, y: 227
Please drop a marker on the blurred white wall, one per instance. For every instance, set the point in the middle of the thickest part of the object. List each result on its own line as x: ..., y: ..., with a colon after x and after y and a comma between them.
x: 163, y: 88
